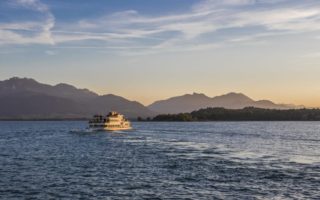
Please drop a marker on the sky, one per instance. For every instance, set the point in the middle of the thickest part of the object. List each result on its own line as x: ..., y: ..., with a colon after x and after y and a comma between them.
x: 150, y: 50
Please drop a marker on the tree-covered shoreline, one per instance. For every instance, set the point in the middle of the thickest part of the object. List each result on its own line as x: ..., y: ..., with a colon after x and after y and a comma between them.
x: 245, y: 114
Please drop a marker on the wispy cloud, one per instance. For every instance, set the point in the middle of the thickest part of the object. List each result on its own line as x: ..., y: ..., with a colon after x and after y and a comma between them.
x: 27, y: 32
x: 194, y: 29
x: 204, y: 18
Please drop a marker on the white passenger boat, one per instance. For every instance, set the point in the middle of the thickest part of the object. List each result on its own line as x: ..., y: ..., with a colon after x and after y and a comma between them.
x: 111, y: 122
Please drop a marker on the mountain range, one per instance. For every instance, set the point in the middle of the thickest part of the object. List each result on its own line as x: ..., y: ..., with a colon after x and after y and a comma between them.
x: 196, y: 101
x: 25, y: 98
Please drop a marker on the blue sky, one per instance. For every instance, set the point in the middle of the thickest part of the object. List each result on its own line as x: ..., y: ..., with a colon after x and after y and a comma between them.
x: 147, y: 50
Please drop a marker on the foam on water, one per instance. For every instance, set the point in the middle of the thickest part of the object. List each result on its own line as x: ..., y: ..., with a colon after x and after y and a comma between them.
x: 305, y: 159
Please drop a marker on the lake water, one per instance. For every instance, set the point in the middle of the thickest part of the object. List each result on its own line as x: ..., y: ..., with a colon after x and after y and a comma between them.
x: 205, y: 160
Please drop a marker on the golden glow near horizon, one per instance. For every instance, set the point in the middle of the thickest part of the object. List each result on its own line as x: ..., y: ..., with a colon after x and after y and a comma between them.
x: 264, y: 49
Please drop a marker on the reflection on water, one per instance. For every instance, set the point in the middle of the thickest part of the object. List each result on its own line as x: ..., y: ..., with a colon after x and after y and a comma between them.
x: 222, y: 160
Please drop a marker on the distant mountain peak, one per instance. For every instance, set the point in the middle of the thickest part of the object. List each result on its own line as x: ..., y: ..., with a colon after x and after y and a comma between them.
x: 235, y: 96
x: 20, y: 80
x: 234, y: 93
x: 195, y: 101
x: 264, y: 101
x: 112, y: 96
x: 196, y: 95
x: 24, y: 97
x: 61, y: 85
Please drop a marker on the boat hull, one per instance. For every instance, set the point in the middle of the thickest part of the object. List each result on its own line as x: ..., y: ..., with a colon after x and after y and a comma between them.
x: 110, y: 129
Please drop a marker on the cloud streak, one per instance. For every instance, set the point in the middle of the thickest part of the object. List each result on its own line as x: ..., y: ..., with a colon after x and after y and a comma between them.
x: 38, y: 32
x: 194, y: 29
x: 208, y: 17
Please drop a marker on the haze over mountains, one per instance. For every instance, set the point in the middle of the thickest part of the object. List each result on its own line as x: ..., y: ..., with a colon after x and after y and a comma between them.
x: 23, y: 98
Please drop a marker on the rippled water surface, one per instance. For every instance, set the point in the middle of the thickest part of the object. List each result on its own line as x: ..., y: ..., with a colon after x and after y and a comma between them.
x: 214, y: 160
